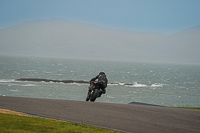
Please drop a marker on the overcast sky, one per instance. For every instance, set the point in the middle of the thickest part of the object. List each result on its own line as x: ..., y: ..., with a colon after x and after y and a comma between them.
x: 166, y: 16
x: 140, y: 38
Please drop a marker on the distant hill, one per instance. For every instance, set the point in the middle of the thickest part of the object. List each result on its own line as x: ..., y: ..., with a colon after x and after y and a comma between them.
x: 63, y: 38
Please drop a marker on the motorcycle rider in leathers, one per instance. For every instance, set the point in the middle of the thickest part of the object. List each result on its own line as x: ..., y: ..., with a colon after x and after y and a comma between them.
x: 101, y: 79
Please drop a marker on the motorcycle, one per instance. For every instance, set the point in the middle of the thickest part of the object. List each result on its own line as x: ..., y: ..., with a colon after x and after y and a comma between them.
x: 94, y: 92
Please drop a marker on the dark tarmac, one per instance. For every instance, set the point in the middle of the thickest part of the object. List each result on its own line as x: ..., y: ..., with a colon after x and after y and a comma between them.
x: 122, y: 117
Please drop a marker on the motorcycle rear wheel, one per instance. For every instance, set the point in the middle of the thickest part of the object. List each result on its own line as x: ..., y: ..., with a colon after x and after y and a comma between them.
x: 94, y: 95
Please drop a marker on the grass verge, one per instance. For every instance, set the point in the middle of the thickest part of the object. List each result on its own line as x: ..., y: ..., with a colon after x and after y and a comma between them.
x: 196, y: 108
x: 25, y: 124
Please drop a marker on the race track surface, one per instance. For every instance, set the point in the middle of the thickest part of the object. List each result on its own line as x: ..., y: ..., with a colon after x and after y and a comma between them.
x: 122, y: 117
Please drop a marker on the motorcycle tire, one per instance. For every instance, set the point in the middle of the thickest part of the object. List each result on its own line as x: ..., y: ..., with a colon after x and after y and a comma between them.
x: 88, y: 96
x: 94, y: 95
x: 87, y: 99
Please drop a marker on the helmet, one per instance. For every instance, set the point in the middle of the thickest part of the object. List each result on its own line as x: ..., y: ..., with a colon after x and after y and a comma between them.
x: 101, y: 73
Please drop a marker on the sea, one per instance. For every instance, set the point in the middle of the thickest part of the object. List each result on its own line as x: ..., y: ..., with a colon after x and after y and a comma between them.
x: 151, y: 83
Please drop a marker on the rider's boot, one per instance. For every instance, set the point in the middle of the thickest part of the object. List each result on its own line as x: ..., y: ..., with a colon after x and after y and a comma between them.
x: 103, y: 91
x: 100, y: 93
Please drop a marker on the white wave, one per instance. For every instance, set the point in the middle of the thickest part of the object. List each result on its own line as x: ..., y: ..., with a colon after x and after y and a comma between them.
x: 48, y: 72
x: 109, y: 96
x: 12, y: 84
x: 137, y: 85
x: 134, y: 92
x: 75, y: 84
x: 157, y: 85
x: 60, y: 64
x: 113, y: 84
x: 78, y: 84
x: 121, y: 83
x: 6, y: 80
x: 29, y: 85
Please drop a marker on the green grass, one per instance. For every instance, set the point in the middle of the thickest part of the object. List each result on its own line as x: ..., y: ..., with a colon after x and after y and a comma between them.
x: 10, y: 123
x: 196, y: 108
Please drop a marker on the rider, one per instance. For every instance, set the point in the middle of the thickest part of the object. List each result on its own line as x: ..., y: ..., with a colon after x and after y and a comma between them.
x: 103, y: 83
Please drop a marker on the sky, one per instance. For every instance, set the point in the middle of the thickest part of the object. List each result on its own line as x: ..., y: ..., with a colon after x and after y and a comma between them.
x: 84, y: 29
x: 165, y: 16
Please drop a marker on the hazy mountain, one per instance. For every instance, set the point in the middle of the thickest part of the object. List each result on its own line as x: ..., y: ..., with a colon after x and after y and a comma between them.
x: 63, y: 38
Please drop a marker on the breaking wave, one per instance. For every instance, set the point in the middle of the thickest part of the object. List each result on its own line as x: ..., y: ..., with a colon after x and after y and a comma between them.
x: 49, y: 80
x: 29, y: 85
x: 80, y: 82
x: 137, y: 85
x: 6, y: 80
x: 157, y: 85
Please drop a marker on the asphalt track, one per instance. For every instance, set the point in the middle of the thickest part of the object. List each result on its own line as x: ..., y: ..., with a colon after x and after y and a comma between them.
x: 123, y: 117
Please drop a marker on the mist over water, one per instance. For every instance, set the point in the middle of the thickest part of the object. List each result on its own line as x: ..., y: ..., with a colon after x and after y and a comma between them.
x: 68, y: 39
x: 161, y: 84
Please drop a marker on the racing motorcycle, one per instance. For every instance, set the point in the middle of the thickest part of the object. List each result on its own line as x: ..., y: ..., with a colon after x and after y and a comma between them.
x: 94, y: 91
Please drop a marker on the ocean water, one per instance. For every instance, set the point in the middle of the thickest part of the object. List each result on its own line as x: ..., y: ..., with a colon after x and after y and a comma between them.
x: 160, y: 84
